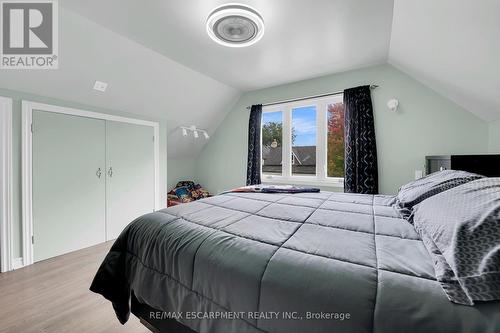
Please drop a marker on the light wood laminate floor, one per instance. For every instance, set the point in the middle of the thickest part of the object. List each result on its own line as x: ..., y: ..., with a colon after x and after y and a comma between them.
x: 53, y: 296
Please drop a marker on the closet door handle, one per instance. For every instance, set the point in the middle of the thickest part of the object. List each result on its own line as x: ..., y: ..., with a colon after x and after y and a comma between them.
x: 110, y: 172
x: 98, y: 173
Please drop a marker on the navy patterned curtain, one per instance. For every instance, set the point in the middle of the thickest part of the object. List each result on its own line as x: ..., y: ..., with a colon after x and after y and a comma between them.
x: 361, y: 173
x: 253, y: 165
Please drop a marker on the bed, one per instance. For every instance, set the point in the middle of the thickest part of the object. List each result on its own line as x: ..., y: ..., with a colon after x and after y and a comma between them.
x: 281, y: 263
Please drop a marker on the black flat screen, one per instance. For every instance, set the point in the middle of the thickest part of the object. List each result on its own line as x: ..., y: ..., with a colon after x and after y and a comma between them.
x: 486, y: 165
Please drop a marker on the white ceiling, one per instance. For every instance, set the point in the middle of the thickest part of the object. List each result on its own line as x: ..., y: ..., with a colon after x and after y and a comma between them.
x: 141, y: 81
x: 452, y: 46
x: 303, y: 39
x: 159, y: 61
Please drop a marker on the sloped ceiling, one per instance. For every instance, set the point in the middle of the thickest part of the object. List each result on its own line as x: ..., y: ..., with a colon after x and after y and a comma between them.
x: 159, y: 61
x: 141, y: 81
x: 452, y: 46
x: 303, y: 39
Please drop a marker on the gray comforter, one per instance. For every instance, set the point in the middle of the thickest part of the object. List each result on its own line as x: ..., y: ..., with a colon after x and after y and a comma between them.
x: 319, y: 262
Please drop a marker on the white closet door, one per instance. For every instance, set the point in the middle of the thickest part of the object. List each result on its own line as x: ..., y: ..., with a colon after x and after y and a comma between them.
x: 130, y: 174
x: 68, y: 183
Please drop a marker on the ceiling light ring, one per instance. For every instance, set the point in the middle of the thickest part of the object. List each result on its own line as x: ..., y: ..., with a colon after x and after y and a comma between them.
x: 234, y: 10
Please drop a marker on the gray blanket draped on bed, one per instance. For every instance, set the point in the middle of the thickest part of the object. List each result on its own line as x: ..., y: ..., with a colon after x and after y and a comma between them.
x: 308, y: 254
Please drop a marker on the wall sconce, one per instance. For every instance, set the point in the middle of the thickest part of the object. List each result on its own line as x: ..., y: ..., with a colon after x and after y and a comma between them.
x: 196, y: 131
x: 393, y: 105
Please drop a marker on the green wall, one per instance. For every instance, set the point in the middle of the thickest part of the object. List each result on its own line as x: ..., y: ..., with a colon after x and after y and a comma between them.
x: 17, y: 97
x: 181, y: 169
x: 494, y: 142
x: 426, y: 124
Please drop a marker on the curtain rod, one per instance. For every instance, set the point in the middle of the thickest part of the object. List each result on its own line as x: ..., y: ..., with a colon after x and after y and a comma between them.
x: 373, y: 86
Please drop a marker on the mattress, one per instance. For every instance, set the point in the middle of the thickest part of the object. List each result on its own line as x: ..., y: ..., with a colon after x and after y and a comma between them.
x: 281, y: 263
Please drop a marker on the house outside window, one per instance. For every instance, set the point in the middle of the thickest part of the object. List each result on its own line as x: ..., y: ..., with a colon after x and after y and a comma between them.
x: 311, y: 134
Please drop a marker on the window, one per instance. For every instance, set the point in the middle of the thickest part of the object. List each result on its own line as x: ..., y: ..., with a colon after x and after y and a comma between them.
x: 272, y: 142
x: 335, y: 140
x: 303, y: 142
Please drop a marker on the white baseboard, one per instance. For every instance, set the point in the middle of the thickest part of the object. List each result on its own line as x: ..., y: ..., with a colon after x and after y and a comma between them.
x: 17, y: 263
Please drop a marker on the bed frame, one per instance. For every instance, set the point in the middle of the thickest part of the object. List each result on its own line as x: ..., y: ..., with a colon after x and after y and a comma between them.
x: 164, y: 325
x: 487, y: 165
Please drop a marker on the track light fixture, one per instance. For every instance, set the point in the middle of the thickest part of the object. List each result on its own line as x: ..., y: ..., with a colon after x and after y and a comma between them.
x: 196, y: 131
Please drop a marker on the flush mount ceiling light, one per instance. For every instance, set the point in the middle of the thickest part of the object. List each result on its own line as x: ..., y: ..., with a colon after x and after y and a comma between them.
x: 235, y: 25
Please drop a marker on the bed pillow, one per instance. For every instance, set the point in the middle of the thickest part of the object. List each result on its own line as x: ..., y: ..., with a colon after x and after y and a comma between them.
x: 461, y: 230
x: 417, y: 191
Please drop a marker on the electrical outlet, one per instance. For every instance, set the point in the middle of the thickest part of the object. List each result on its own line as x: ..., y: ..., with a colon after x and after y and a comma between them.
x: 419, y: 174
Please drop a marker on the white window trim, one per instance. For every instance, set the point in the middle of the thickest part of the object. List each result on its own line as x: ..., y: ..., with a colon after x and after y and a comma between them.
x: 27, y: 162
x: 286, y: 177
x: 6, y: 185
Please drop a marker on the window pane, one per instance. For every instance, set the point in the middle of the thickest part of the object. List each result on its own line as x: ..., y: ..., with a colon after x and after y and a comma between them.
x: 335, y: 143
x: 272, y: 139
x: 304, y: 141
